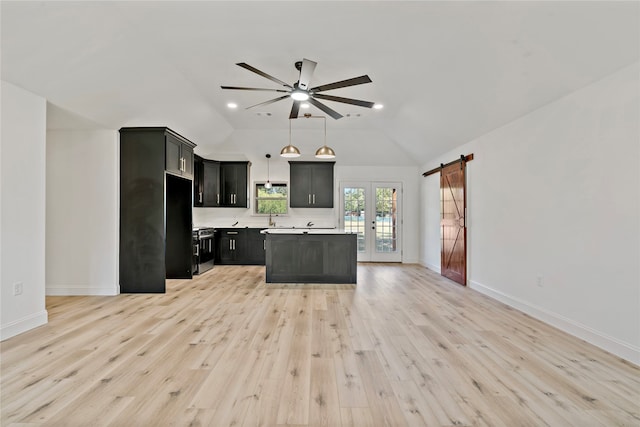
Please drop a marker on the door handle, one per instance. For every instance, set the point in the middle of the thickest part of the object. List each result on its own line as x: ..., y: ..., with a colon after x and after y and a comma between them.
x: 314, y: 199
x: 218, y: 198
x: 201, y: 197
x: 309, y: 199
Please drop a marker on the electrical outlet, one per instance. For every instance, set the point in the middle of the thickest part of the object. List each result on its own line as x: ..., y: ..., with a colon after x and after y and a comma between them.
x: 17, y: 288
x: 539, y: 281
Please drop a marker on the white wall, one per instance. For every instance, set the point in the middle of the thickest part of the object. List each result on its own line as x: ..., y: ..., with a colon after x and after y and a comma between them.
x: 22, y: 217
x: 279, y: 172
x: 555, y: 195
x: 82, y: 212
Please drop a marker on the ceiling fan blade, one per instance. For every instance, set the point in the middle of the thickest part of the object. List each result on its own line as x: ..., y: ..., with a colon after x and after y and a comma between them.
x: 271, y: 101
x: 324, y: 108
x: 344, y: 83
x: 357, y: 102
x: 305, y: 73
x: 253, y: 88
x: 263, y: 74
x: 294, y: 110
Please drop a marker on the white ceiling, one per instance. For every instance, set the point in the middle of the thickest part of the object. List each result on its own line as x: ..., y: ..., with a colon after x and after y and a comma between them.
x: 446, y: 72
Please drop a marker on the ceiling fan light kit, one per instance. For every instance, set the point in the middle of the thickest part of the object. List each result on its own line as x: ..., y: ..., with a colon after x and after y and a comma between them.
x: 300, y: 90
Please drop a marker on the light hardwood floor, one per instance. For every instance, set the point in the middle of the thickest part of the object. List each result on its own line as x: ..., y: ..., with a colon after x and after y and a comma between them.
x: 405, y: 347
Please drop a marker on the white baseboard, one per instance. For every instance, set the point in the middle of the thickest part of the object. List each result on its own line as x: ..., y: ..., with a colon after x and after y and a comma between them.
x: 53, y: 290
x: 431, y: 267
x: 610, y: 344
x: 25, y: 324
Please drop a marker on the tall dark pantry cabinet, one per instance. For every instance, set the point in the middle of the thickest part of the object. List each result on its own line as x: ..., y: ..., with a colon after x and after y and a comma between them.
x: 156, y: 196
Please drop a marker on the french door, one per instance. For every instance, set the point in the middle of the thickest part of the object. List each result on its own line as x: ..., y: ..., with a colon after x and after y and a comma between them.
x: 373, y: 210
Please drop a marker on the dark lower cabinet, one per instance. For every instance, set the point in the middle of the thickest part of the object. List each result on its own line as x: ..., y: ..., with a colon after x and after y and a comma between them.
x: 239, y: 246
x: 155, y: 210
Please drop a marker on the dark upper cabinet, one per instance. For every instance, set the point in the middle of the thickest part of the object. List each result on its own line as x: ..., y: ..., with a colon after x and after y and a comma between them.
x: 178, y: 156
x: 198, y: 181
x: 239, y: 246
x: 211, y: 186
x: 206, y: 183
x: 311, y: 184
x: 155, y: 210
x: 234, y: 181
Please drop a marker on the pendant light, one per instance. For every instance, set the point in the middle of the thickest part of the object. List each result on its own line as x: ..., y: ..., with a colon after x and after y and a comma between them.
x: 290, y: 151
x: 325, y: 152
x: 267, y: 184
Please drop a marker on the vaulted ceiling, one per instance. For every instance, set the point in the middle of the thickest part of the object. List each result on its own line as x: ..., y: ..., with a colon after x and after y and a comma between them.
x: 446, y: 72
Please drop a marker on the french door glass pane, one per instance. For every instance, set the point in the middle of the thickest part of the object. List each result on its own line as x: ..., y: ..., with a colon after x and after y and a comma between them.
x: 354, y: 213
x: 386, y: 217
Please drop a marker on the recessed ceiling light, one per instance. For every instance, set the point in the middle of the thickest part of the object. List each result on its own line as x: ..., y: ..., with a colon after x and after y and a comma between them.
x: 305, y: 105
x: 378, y: 106
x: 232, y: 105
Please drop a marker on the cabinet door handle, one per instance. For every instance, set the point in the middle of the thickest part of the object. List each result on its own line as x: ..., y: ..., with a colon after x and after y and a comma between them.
x: 309, y: 199
x: 314, y: 199
x: 230, y: 244
x: 234, y: 244
x: 264, y: 245
x: 232, y: 232
x: 201, y: 197
x: 218, y: 198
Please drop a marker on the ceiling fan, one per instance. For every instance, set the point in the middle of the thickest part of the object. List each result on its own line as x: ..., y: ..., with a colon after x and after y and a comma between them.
x: 300, y: 90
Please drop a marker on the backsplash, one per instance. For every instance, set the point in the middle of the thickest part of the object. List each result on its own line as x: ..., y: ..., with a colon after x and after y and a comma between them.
x: 299, y: 218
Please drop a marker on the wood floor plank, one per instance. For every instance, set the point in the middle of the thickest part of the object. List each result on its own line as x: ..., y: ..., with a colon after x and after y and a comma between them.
x: 403, y: 347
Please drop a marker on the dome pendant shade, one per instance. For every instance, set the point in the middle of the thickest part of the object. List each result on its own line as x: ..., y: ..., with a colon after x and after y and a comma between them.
x: 325, y: 152
x: 290, y: 151
x: 268, y: 185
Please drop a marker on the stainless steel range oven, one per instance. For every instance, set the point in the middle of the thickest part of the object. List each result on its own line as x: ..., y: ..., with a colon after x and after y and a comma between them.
x: 202, y: 249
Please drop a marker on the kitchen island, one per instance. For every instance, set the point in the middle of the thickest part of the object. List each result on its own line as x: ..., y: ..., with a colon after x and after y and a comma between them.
x: 303, y: 255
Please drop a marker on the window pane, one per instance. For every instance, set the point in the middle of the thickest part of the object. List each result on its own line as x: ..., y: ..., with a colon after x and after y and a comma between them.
x: 386, y: 220
x: 271, y: 201
x: 354, y: 219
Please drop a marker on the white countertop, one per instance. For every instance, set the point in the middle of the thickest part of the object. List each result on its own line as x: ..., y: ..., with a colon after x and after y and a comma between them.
x: 304, y: 231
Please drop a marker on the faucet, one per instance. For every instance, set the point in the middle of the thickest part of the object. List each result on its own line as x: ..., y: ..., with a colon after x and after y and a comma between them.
x: 309, y: 224
x: 272, y: 223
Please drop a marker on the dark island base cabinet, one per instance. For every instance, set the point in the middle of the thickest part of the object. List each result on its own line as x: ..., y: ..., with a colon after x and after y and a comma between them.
x: 311, y: 258
x: 239, y: 246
